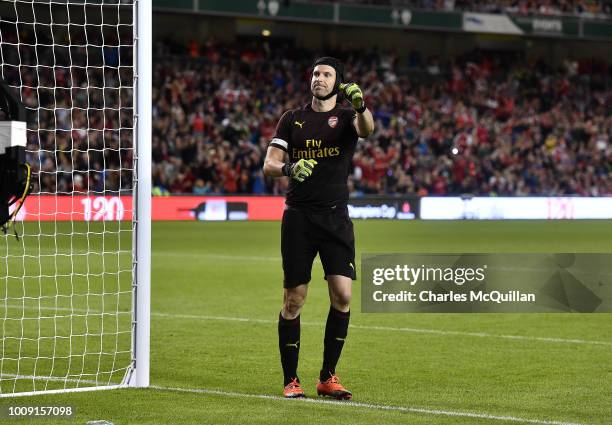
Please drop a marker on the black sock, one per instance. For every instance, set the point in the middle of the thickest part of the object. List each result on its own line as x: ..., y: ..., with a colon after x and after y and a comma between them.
x: 289, y: 346
x: 336, y: 330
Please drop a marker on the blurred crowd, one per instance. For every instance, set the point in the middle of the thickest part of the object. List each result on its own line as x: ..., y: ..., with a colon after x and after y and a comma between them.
x: 78, y: 101
x: 586, y: 8
x: 482, y: 123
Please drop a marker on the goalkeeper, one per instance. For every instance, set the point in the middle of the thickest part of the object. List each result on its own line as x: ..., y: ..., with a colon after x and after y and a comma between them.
x: 319, y: 140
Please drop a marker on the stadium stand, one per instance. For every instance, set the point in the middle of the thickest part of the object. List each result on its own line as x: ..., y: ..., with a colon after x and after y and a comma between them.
x: 482, y: 123
x: 518, y: 127
x: 70, y: 93
x: 523, y: 7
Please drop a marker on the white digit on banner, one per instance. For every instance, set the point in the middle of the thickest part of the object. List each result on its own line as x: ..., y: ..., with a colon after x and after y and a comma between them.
x: 87, y: 205
x: 115, y: 209
x: 99, y: 206
x: 103, y: 209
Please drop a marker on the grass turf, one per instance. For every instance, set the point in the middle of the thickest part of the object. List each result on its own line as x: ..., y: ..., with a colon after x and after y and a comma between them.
x: 205, y: 275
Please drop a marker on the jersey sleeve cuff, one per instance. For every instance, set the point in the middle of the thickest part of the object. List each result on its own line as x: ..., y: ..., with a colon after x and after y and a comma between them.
x: 279, y: 143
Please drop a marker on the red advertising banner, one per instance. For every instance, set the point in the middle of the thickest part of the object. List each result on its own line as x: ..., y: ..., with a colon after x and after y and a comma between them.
x: 113, y: 208
x: 76, y: 208
x: 215, y: 208
x: 222, y: 208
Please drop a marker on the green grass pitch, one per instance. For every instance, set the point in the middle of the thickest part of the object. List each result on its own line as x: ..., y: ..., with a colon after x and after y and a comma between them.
x: 216, y: 293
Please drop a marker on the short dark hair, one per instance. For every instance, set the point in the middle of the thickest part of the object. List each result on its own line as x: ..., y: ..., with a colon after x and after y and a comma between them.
x: 334, y: 63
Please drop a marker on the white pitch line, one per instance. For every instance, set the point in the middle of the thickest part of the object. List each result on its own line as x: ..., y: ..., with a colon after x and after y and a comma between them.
x: 370, y: 406
x: 485, y: 335
x: 352, y: 326
x: 307, y: 400
x: 203, y: 255
x: 95, y: 386
x: 394, y: 329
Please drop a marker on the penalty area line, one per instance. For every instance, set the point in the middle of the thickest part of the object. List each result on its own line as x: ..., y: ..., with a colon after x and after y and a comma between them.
x: 370, y: 406
x: 442, y: 332
x: 393, y: 329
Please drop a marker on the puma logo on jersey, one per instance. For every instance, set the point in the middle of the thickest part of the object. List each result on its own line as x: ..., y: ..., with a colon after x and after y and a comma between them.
x: 339, y: 339
x: 300, y: 123
x: 293, y: 345
x: 352, y: 266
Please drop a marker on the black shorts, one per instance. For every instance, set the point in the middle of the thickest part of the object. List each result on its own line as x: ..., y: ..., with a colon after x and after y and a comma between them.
x: 304, y: 234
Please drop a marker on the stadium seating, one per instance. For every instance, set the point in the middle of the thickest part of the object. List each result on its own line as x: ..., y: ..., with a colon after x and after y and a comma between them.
x: 484, y: 124
x: 544, y: 7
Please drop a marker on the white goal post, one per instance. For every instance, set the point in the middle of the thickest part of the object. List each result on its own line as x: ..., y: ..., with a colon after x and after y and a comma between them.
x: 75, y: 283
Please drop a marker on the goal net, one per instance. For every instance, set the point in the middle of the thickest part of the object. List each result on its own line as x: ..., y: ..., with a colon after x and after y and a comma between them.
x: 73, y: 285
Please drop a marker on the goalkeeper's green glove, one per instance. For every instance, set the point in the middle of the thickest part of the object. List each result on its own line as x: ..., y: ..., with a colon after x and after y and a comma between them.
x: 300, y: 170
x: 354, y: 94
